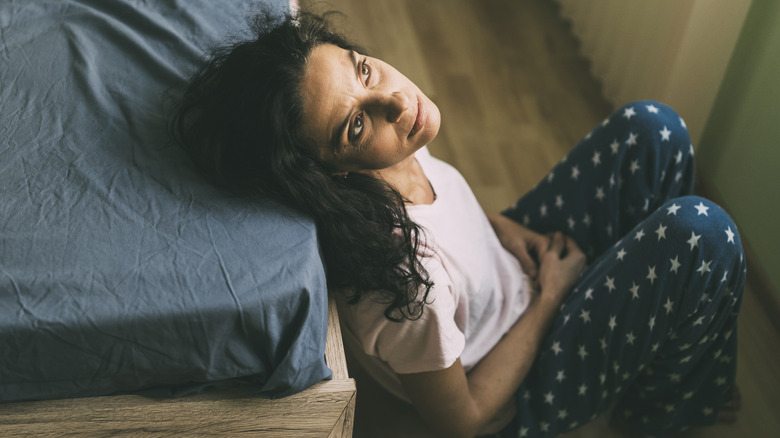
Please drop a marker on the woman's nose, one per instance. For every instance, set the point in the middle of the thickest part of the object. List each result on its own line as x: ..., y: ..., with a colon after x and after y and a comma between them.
x: 392, y: 104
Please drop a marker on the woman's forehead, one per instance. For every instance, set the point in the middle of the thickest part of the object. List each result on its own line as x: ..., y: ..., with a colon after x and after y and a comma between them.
x: 325, y: 93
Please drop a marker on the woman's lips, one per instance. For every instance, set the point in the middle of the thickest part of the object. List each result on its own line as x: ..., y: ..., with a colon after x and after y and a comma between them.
x: 419, y: 120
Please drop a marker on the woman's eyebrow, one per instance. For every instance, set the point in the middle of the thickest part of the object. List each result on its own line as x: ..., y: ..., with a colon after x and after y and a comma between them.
x: 335, y: 139
x: 354, y: 58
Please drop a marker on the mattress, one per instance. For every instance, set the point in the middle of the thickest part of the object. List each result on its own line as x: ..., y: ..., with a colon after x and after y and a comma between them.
x: 120, y: 269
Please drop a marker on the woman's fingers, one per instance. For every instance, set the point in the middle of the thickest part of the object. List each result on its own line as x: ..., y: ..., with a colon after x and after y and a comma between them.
x: 557, y: 243
x: 527, y: 263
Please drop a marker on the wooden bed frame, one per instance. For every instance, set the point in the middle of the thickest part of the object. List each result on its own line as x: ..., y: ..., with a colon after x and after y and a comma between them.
x: 326, y: 409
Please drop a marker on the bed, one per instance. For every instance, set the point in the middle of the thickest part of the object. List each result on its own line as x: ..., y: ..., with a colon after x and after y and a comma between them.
x: 134, y: 297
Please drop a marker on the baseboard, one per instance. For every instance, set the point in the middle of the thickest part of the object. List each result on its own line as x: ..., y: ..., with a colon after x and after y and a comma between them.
x: 757, y: 278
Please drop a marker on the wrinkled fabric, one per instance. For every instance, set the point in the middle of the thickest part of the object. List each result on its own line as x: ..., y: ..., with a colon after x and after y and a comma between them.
x: 120, y: 270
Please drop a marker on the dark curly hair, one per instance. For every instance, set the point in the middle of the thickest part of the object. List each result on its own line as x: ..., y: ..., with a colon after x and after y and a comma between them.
x: 240, y: 120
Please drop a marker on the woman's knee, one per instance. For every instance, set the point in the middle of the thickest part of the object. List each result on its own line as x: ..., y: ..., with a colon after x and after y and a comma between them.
x: 699, y: 226
x: 652, y: 136
x: 654, y: 124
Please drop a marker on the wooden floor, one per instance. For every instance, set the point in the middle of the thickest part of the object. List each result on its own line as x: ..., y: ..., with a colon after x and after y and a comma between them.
x: 515, y: 97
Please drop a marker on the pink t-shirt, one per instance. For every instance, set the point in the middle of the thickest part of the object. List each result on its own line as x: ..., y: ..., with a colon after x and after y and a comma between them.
x: 479, y: 291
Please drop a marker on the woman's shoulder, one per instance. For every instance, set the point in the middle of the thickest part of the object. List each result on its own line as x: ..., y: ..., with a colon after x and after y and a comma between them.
x: 432, y: 341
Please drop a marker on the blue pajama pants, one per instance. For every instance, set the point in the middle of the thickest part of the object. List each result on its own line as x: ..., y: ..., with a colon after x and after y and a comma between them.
x: 652, y: 321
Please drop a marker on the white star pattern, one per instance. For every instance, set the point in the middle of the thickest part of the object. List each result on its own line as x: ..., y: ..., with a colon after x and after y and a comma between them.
x: 556, y: 347
x: 702, y: 209
x: 614, y: 146
x: 729, y: 235
x: 639, y: 235
x: 673, y: 209
x: 652, y: 109
x: 634, y: 291
x: 600, y: 193
x: 629, y: 112
x: 665, y: 133
x: 669, y: 306
x: 705, y: 267
x: 620, y: 254
x: 661, y: 232
x: 586, y: 220
x: 651, y: 275
x: 632, y: 139
x: 634, y: 166
x: 610, y: 284
x: 612, y: 322
x: 675, y: 264
x: 575, y: 172
x: 694, y: 240
x: 596, y: 159
x: 585, y: 316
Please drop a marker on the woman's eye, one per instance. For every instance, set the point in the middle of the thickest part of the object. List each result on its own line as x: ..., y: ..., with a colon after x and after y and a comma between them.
x: 357, y: 126
x: 365, y: 70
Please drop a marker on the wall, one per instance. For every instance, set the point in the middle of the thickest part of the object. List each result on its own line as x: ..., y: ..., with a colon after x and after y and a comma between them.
x: 740, y: 146
x: 669, y: 50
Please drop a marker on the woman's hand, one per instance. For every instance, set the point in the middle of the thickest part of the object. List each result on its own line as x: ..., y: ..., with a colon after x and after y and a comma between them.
x: 456, y: 404
x: 560, y: 264
x: 525, y: 244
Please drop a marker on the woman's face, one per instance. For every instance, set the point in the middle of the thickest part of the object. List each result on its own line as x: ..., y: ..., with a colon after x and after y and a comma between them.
x: 361, y: 113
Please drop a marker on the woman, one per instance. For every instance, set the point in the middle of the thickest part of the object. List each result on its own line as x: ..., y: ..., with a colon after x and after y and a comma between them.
x: 463, y: 315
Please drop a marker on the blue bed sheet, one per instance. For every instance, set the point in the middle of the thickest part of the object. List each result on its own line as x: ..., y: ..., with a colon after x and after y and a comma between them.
x: 120, y: 270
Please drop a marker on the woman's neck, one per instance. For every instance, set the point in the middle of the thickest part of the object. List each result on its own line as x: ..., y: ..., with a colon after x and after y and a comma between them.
x: 409, y: 179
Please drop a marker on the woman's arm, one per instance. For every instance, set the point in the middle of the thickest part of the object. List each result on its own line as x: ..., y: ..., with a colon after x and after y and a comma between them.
x: 523, y: 243
x: 455, y: 404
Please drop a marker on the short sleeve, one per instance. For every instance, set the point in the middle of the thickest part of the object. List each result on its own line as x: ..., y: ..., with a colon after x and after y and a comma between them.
x: 432, y: 342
